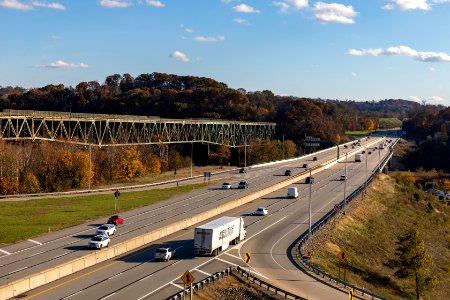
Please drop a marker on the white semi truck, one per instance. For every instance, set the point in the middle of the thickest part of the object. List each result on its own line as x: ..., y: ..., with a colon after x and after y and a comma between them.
x: 217, y: 235
x: 358, y: 157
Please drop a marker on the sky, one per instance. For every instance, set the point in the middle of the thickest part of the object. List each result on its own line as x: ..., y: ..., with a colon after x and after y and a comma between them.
x: 359, y: 50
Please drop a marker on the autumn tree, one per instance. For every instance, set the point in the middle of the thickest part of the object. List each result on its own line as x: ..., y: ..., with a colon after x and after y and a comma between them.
x: 130, y: 165
x: 221, y: 155
x: 30, y: 184
x: 8, y: 186
x: 412, y: 259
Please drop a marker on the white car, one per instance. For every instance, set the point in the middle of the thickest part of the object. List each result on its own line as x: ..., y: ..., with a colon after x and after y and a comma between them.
x: 99, y: 241
x: 343, y: 177
x: 226, y: 186
x: 261, y: 211
x: 164, y: 254
x: 106, y: 229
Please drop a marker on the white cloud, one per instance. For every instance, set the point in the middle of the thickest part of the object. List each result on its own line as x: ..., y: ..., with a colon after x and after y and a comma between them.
x: 287, y: 4
x: 114, y: 3
x: 208, y: 38
x: 284, y: 7
x: 48, y: 5
x: 354, y: 74
x: 60, y: 64
x: 227, y: 1
x: 244, y: 8
x: 425, y: 56
x: 437, y: 99
x: 177, y: 55
x: 414, y: 98
x: 55, y: 37
x: 432, y: 69
x: 408, y: 5
x: 334, y: 13
x: 155, y: 3
x: 241, y: 21
x: 15, y: 4
x: 298, y: 4
x: 189, y: 30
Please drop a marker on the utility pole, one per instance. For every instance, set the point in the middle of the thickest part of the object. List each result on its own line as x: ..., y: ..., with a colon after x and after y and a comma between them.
x: 90, y: 166
x: 365, y: 186
x: 345, y: 185
x: 283, y: 146
x: 379, y: 162
x: 309, y: 231
x: 192, y: 154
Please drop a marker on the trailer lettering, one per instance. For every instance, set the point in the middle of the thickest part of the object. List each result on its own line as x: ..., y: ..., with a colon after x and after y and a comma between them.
x: 226, y: 232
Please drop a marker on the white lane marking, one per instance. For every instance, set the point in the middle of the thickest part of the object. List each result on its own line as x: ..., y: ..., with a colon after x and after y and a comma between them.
x: 61, y: 255
x: 208, y: 261
x: 302, y: 223
x: 33, y: 241
x: 198, y: 270
x: 148, y: 276
x: 226, y: 261
x: 235, y: 256
x: 72, y: 295
x: 107, y: 296
x: 115, y: 276
x: 4, y: 251
x: 177, y: 285
x: 17, y: 270
x: 36, y: 254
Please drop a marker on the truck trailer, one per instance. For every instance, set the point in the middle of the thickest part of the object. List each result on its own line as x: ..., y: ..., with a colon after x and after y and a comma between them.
x: 217, y: 235
x: 357, y: 157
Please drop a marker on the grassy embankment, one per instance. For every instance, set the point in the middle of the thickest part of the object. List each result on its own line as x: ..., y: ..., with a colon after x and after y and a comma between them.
x: 21, y: 220
x: 369, y: 234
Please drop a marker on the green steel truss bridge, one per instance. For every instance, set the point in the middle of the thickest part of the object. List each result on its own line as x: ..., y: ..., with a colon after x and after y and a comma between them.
x: 120, y: 130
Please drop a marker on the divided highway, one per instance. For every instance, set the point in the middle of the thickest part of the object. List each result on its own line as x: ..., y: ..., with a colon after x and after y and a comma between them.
x: 136, y: 276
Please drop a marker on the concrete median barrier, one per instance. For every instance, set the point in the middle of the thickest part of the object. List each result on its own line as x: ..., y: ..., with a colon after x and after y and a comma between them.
x: 33, y: 281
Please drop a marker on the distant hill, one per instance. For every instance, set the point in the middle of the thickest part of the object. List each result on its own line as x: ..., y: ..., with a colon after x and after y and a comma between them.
x: 397, y: 108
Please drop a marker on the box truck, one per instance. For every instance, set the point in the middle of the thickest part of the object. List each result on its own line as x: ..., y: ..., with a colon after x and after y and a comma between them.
x: 217, y: 235
x: 292, y: 192
x: 357, y: 157
x: 381, y: 145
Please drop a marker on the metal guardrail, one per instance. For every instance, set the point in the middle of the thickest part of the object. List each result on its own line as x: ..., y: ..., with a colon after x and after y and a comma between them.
x: 227, y: 272
x: 323, y: 221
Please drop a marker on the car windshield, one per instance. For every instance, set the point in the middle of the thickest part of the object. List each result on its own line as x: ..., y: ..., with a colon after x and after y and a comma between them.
x: 96, y: 239
x: 161, y: 251
x: 242, y: 183
x: 226, y: 183
x: 103, y: 227
x: 114, y: 217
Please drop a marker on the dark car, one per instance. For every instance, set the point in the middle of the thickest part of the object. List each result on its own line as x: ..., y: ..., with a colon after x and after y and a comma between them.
x: 345, y: 146
x: 243, y: 185
x: 309, y: 179
x: 305, y: 166
x: 364, y: 152
x: 315, y: 158
x: 116, y: 220
x: 242, y: 170
x: 370, y: 152
x: 287, y: 173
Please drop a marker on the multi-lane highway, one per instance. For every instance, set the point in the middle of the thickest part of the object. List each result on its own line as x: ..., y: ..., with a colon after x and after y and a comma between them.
x: 136, y: 275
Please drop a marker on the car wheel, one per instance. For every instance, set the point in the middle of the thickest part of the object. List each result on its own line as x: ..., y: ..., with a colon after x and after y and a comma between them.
x: 114, y: 232
x: 100, y: 247
x: 107, y: 245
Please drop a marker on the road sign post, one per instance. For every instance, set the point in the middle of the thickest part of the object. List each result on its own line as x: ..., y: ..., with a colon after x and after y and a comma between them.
x: 246, y: 260
x: 116, y: 199
x: 187, y: 279
x: 351, y: 293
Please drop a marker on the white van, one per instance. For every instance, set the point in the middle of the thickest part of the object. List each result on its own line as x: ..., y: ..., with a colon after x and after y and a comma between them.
x: 292, y: 192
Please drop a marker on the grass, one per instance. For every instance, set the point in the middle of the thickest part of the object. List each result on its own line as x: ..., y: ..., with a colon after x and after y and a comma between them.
x: 21, y: 220
x: 369, y: 234
x: 389, y: 123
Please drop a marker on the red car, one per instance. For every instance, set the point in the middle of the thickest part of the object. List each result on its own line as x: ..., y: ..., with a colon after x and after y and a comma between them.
x: 116, y: 220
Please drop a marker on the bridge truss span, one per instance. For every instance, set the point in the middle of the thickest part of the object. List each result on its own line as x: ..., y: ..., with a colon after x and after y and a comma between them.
x: 121, y: 130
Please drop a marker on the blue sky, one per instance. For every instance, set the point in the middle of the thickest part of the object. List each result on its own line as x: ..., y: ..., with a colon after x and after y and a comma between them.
x: 355, y: 49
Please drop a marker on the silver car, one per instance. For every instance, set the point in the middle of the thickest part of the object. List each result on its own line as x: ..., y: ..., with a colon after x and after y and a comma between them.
x: 99, y: 241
